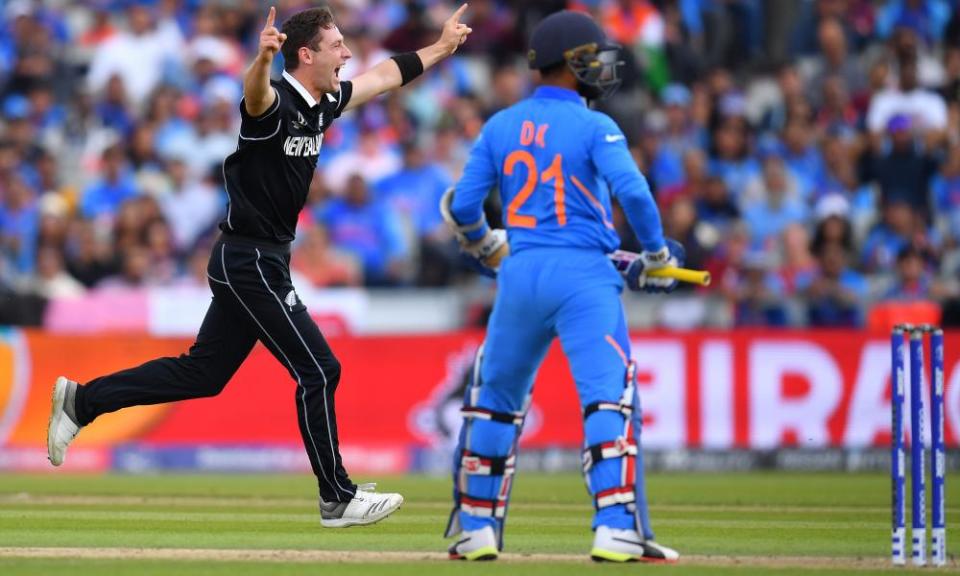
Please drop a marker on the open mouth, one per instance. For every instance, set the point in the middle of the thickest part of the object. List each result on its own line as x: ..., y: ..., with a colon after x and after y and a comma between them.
x: 336, y: 71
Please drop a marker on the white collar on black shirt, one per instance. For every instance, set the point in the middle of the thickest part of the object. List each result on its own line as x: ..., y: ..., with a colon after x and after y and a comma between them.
x: 303, y: 92
x: 307, y: 97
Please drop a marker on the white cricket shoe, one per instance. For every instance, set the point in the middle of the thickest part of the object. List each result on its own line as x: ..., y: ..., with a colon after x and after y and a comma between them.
x: 475, y: 545
x: 366, y: 507
x: 62, y: 428
x: 613, y: 545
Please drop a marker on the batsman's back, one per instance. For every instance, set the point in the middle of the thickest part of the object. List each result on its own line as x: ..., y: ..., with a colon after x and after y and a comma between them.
x: 543, y: 149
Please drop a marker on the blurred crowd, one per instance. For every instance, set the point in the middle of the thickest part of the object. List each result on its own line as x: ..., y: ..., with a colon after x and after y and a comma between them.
x: 804, y: 150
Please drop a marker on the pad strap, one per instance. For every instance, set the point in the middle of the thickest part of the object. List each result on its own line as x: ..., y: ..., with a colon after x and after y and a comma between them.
x: 615, y: 496
x: 479, y: 465
x: 482, y: 507
x: 607, y: 450
x: 515, y: 418
x: 625, y: 409
x: 625, y: 405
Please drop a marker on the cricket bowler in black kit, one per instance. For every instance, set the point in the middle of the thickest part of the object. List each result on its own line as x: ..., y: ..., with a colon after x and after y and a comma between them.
x: 267, y: 179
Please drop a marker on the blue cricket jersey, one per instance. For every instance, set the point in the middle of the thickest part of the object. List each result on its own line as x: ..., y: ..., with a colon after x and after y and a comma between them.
x: 555, y: 162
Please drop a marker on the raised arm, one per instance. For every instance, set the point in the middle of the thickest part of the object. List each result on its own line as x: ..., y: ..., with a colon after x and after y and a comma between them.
x: 258, y: 95
x: 402, y: 68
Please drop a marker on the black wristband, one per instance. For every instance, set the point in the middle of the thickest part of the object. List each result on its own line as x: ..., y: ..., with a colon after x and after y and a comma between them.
x: 409, y: 64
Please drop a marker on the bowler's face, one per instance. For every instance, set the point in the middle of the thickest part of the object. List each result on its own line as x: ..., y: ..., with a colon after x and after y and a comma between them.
x: 329, y: 60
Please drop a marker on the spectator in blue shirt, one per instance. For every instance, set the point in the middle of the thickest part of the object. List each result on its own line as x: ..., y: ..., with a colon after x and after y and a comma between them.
x: 946, y: 193
x: 45, y: 113
x: 775, y: 206
x: 801, y: 155
x: 839, y: 176
x: 368, y: 229
x: 889, y: 237
x: 104, y: 197
x: 758, y: 293
x: 731, y: 160
x: 19, y: 225
x: 715, y: 206
x: 172, y: 132
x: 20, y: 130
x: 112, y: 109
x: 914, y: 280
x: 680, y: 135
x: 833, y: 291
x: 414, y: 193
x: 927, y: 18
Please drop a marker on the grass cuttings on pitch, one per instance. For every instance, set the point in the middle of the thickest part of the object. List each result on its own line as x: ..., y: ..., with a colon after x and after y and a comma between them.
x: 752, y: 523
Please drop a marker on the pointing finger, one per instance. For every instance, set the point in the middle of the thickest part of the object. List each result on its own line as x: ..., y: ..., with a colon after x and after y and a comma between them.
x: 271, y: 16
x: 456, y: 15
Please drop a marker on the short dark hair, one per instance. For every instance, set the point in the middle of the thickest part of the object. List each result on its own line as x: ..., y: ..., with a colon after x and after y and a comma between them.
x: 304, y: 29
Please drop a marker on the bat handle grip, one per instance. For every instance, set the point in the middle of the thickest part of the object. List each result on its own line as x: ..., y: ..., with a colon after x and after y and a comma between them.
x: 700, y: 277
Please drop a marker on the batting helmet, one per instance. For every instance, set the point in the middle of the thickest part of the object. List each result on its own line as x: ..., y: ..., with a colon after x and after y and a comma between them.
x: 576, y: 39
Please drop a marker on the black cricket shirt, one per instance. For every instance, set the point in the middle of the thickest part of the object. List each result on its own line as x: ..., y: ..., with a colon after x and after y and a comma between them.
x: 268, y: 177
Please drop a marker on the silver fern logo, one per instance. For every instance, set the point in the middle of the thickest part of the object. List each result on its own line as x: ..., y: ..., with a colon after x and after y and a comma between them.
x: 291, y: 299
x: 300, y: 123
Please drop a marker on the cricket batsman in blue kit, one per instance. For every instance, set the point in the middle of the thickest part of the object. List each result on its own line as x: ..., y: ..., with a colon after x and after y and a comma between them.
x: 557, y: 163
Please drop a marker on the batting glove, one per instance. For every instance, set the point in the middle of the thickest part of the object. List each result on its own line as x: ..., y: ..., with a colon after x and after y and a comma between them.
x: 672, y: 255
x: 489, y: 251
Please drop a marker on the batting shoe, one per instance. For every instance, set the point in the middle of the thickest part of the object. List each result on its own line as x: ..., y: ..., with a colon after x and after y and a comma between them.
x: 366, y: 507
x: 475, y: 545
x: 63, y: 427
x: 613, y: 545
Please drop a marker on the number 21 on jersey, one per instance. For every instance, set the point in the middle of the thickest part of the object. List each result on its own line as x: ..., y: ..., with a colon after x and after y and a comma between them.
x: 532, y: 134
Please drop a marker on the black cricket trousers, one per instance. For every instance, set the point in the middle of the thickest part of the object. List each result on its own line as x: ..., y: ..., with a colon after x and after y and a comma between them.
x: 253, y: 299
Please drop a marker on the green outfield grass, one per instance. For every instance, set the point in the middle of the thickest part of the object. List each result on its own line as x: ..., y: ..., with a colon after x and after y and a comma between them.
x: 772, y: 523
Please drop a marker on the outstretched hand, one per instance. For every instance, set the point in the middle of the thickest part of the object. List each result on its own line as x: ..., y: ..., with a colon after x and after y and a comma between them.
x: 270, y: 38
x: 454, y: 32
